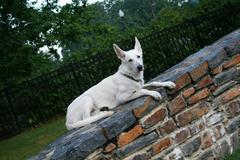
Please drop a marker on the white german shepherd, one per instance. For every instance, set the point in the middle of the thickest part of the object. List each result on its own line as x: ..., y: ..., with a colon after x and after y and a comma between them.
x: 126, y: 84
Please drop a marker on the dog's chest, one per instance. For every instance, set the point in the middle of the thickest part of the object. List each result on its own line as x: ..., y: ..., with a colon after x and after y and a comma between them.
x: 129, y: 87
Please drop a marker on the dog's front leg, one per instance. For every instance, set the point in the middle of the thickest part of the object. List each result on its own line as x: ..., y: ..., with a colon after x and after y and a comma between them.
x: 144, y: 92
x: 168, y: 84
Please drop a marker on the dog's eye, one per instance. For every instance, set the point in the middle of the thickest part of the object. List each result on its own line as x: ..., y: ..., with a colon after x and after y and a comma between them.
x: 130, y: 60
x: 138, y: 56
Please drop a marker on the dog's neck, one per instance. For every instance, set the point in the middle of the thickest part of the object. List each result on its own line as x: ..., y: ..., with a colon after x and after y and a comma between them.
x: 125, y: 71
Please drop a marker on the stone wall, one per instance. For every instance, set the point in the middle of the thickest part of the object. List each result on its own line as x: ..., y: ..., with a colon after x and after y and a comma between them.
x: 199, y: 119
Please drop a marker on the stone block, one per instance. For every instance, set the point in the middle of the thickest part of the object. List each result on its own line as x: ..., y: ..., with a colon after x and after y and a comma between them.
x: 177, y: 104
x: 214, y: 118
x: 206, y: 155
x: 199, y: 96
x: 154, y: 118
x: 207, y: 140
x: 143, y: 156
x: 144, y: 107
x: 225, y: 76
x: 167, y: 127
x: 221, y: 149
x: 109, y: 148
x: 235, y: 140
x: 230, y: 94
x: 161, y: 145
x: 233, y: 108
x: 181, y: 82
x: 176, y: 154
x: 79, y: 146
x: 233, y: 124
x: 224, y: 87
x: 117, y: 123
x: 190, y: 147
x: 199, y: 72
x: 204, y: 82
x: 218, y: 132
x: 127, y: 137
x: 234, y: 61
x: 215, y: 57
x: 137, y: 145
x: 196, y: 127
x: 196, y: 112
x: 217, y: 70
x: 181, y: 136
x: 188, y: 92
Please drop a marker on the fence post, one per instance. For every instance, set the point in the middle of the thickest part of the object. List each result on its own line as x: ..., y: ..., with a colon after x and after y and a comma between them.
x: 75, y: 76
x: 11, y: 108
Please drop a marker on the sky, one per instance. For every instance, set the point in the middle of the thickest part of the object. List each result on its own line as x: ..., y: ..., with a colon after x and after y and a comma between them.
x: 61, y: 2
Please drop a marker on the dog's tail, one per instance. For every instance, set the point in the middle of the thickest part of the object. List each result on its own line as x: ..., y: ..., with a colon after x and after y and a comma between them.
x: 89, y: 120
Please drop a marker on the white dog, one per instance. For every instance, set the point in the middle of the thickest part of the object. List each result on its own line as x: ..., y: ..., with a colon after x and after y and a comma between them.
x: 126, y: 84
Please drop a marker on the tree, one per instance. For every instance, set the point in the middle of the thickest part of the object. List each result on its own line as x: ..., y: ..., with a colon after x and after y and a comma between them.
x: 20, y: 31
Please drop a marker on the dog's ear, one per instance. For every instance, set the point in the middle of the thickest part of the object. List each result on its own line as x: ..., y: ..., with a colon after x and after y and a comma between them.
x: 137, y: 45
x: 120, y: 53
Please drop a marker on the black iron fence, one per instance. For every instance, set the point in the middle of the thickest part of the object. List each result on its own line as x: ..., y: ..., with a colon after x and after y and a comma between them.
x: 46, y: 96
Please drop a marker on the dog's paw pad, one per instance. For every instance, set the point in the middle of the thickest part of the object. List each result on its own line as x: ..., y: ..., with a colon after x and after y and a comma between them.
x: 110, y: 113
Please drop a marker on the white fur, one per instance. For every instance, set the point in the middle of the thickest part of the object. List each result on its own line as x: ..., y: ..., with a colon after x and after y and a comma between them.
x: 113, y: 90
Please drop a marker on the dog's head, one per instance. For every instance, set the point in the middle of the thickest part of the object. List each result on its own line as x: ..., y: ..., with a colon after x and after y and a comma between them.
x: 132, y: 59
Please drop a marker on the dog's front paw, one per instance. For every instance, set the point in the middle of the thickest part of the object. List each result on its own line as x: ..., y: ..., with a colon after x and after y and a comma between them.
x: 170, y: 84
x: 156, y: 95
x: 109, y: 113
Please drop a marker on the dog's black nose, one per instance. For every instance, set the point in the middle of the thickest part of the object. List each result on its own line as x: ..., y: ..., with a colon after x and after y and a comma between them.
x: 140, y: 68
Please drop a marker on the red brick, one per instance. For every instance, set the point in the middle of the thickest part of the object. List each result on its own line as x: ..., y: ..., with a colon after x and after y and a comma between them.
x: 181, y: 82
x: 141, y: 110
x: 233, y: 108
x: 177, y: 105
x: 217, y: 70
x: 235, y: 60
x: 204, y: 82
x: 109, y: 148
x: 181, y: 136
x: 192, y: 114
x: 199, y: 71
x: 187, y: 93
x: 206, y: 140
x: 161, y: 145
x: 157, y: 116
x: 127, y: 137
x: 230, y: 94
x: 199, y: 96
x: 167, y: 127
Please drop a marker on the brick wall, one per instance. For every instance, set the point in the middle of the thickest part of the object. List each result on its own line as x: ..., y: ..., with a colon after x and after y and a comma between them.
x: 199, y: 119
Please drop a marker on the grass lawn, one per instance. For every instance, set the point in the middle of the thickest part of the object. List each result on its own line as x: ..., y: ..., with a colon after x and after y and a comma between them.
x: 234, y: 156
x: 31, y: 141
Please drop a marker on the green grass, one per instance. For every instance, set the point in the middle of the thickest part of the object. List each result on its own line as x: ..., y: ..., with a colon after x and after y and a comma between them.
x: 31, y: 141
x: 234, y: 156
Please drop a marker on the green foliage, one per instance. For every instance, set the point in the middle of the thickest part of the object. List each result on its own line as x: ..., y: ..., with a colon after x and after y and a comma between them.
x: 80, y: 29
x: 20, y: 27
x: 80, y: 33
x: 234, y: 156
